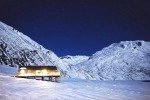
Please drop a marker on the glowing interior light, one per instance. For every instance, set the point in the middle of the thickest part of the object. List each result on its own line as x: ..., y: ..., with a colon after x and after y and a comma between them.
x: 22, y: 71
x: 44, y: 72
x: 37, y: 72
x: 23, y: 68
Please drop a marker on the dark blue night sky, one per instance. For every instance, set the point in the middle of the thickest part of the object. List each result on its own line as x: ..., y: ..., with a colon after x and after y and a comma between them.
x: 78, y: 27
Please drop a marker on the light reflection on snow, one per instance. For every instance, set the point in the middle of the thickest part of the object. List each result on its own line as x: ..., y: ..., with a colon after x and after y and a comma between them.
x: 44, y: 84
x: 29, y: 89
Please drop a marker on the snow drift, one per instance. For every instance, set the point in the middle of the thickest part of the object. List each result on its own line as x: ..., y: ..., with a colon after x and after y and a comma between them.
x: 12, y: 88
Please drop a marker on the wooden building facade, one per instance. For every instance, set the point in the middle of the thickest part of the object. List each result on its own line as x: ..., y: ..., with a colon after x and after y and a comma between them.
x: 49, y: 72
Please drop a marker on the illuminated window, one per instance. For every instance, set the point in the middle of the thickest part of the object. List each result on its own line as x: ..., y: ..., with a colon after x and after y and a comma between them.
x: 44, y: 72
x: 37, y: 72
x: 22, y: 71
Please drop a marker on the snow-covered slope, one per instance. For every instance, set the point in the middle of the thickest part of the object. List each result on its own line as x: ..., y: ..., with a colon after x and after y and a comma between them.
x: 18, y: 49
x: 7, y: 70
x: 128, y: 60
x: 73, y: 60
x: 12, y: 88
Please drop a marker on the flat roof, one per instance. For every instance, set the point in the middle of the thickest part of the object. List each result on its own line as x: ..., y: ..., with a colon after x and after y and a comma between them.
x: 39, y: 67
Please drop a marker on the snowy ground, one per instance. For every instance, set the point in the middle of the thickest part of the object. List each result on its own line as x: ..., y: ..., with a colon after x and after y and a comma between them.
x: 12, y: 88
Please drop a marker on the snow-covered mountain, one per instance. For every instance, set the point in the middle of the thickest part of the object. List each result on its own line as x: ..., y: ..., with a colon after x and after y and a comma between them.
x: 129, y: 60
x: 18, y: 49
x: 73, y: 60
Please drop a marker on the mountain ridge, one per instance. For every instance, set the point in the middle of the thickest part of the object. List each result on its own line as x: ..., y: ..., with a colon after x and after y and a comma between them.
x: 127, y: 60
x: 18, y: 49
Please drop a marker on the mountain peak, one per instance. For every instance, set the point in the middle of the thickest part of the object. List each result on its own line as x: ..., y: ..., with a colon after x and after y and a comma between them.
x: 127, y: 60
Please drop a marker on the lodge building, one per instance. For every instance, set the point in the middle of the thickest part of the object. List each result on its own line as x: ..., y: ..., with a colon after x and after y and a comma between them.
x: 42, y: 72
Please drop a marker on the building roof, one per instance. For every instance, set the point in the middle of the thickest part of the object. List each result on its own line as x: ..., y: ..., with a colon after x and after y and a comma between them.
x: 39, y: 67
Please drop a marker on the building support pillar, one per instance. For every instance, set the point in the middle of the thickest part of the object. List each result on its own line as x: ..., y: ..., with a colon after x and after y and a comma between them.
x: 50, y: 78
x: 42, y: 77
